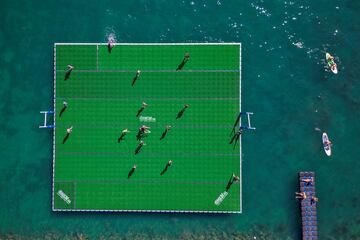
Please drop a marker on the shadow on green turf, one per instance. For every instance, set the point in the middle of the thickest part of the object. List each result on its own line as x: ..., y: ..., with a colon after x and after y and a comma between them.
x: 62, y: 111
x: 138, y: 149
x: 131, y: 172
x: 163, y: 135
x: 67, y: 75
x: 180, y: 114
x: 139, y: 111
x: 134, y: 80
x: 165, y: 169
x: 66, y: 138
x: 182, y: 64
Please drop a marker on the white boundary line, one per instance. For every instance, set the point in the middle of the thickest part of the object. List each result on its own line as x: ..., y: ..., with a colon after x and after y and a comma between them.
x: 149, y: 99
x: 131, y: 153
x: 148, y: 211
x: 125, y: 181
x: 153, y: 211
x: 240, y: 125
x: 136, y: 125
x: 74, y: 182
x: 156, y: 71
x: 53, y: 169
x: 97, y: 57
x: 228, y: 43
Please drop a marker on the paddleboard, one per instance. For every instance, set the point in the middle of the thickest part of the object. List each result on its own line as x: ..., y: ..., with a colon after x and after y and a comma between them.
x: 327, y: 147
x: 331, y: 63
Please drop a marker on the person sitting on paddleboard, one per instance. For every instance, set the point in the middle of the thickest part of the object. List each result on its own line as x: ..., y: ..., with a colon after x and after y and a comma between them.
x: 333, y: 66
x: 327, y: 143
x: 331, y: 62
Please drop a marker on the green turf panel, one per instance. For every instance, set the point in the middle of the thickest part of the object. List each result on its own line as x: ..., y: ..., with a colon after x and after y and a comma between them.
x: 68, y: 189
x: 160, y: 57
x: 120, y: 114
x: 116, y: 168
x: 172, y: 84
x: 105, y: 140
x: 94, y: 166
x: 192, y: 196
x: 81, y: 57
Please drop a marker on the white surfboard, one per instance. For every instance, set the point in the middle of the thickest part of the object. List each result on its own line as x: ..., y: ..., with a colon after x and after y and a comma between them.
x: 327, y: 147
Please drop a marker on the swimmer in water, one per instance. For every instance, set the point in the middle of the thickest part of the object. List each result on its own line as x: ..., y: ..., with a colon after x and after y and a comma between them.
x: 331, y: 62
x: 110, y: 45
x: 298, y: 45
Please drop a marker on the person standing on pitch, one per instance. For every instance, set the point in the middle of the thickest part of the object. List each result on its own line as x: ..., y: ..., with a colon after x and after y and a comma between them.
x: 182, y: 64
x: 65, y: 105
x: 68, y: 72
x: 179, y: 115
x: 168, y: 127
x: 142, y: 131
x: 68, y: 132
x: 143, y: 106
x: 110, y: 45
x: 140, y: 134
x: 123, y: 133
x: 233, y: 179
x: 136, y: 77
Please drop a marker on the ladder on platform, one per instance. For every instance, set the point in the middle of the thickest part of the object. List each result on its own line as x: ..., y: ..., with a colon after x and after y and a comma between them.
x: 46, y: 113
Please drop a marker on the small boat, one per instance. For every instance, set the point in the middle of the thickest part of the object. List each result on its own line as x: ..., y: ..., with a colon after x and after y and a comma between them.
x: 331, y: 63
x: 327, y: 146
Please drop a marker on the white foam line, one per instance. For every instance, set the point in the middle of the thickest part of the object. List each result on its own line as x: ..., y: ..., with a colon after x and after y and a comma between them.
x: 92, y: 44
x: 53, y: 176
x: 97, y: 58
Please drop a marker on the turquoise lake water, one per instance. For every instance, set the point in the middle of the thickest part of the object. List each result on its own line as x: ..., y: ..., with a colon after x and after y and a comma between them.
x: 284, y: 82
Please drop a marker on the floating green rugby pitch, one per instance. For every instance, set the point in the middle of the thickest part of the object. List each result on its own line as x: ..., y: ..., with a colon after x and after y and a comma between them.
x: 90, y: 170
